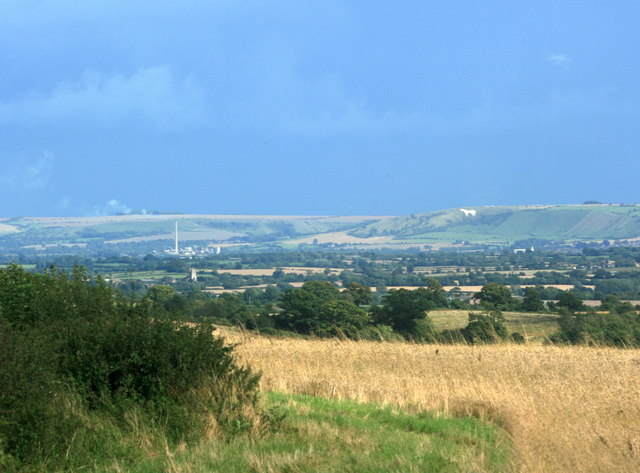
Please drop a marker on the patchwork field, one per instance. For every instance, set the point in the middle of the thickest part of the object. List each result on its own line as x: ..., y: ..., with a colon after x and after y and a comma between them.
x: 567, y: 409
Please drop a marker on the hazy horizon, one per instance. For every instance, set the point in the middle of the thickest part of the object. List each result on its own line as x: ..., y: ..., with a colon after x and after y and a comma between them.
x: 168, y: 214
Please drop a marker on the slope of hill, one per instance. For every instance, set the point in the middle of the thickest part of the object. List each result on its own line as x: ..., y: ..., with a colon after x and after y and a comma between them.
x: 509, y: 224
x: 146, y: 233
x: 470, y: 227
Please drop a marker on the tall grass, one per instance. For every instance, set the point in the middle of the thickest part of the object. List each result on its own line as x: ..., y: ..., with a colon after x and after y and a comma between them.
x: 567, y: 409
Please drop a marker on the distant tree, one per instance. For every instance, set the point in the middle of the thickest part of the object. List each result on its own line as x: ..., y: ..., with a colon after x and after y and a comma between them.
x: 166, y: 301
x: 570, y: 301
x: 531, y: 301
x: 321, y: 289
x: 494, y: 296
x: 271, y: 294
x: 358, y: 293
x: 406, y: 312
x: 319, y: 308
x: 340, y: 318
x: 176, y: 265
x: 437, y: 293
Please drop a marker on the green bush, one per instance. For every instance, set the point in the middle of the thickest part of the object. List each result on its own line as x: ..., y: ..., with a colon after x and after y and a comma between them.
x: 620, y: 327
x: 71, y: 348
x: 34, y: 420
x: 485, y: 327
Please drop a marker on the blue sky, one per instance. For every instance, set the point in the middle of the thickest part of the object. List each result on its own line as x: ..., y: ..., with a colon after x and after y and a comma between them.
x: 306, y: 107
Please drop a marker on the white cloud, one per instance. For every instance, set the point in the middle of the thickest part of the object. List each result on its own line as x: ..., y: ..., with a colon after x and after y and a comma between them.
x: 560, y: 60
x: 29, y: 173
x: 150, y: 96
x: 112, y: 207
x: 115, y: 206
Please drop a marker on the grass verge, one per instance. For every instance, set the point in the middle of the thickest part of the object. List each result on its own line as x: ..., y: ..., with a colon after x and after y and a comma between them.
x: 312, y: 434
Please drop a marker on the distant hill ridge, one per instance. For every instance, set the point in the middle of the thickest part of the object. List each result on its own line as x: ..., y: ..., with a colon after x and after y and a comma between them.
x: 511, y: 223
x: 467, y: 226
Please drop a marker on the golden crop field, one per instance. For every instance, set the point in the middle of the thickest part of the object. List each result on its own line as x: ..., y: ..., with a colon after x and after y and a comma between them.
x: 567, y: 409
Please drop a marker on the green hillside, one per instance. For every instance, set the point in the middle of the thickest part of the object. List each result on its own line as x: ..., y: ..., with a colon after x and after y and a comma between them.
x: 509, y: 224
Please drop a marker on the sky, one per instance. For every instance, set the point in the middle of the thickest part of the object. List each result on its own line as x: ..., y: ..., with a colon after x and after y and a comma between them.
x: 316, y: 108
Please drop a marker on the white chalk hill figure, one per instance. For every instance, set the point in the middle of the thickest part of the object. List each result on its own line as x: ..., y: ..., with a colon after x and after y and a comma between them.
x: 469, y: 213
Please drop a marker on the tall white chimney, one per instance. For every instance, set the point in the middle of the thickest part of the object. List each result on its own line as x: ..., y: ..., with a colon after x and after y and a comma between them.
x: 177, y: 249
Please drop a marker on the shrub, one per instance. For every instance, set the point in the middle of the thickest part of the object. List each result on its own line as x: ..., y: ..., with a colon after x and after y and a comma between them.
x: 70, y: 346
x: 485, y: 327
x: 620, y: 327
x: 33, y: 415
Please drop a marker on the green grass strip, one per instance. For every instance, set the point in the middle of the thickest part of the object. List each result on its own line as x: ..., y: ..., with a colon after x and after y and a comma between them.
x: 320, y: 435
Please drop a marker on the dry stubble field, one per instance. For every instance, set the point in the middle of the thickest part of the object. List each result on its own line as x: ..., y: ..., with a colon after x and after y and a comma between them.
x: 567, y: 409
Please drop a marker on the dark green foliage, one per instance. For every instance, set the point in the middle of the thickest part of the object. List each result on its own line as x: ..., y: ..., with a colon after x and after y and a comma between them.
x: 340, y: 318
x: 358, y: 294
x: 494, y: 296
x: 321, y: 290
x: 531, y: 301
x: 485, y: 327
x: 300, y: 306
x: 228, y: 309
x: 437, y: 293
x: 620, y: 327
x: 570, y: 301
x: 70, y: 346
x: 28, y: 299
x: 33, y: 417
x: 166, y: 302
x: 319, y: 308
x: 406, y: 312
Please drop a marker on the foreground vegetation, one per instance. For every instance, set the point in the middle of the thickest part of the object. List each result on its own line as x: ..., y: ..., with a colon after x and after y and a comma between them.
x: 321, y: 435
x: 305, y: 434
x: 81, y: 365
x: 91, y: 380
x: 566, y: 408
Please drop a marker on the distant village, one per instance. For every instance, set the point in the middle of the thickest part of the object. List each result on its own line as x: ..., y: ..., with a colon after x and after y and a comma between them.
x: 189, y: 251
